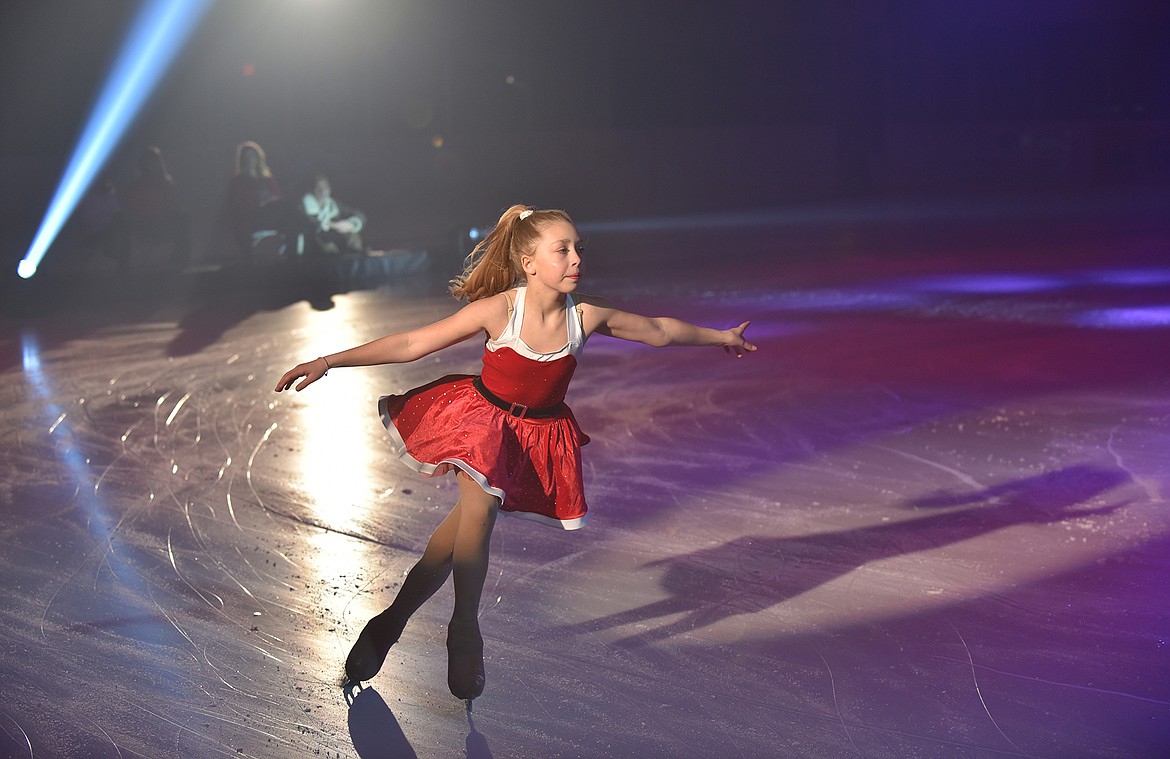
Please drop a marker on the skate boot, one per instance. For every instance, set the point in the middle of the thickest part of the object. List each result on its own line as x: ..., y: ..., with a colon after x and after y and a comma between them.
x: 369, y: 652
x: 465, y: 675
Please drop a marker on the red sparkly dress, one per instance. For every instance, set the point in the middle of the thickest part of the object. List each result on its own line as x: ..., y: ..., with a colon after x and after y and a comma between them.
x: 513, y: 434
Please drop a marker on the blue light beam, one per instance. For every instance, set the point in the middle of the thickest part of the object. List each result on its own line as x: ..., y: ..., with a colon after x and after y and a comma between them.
x: 161, y: 28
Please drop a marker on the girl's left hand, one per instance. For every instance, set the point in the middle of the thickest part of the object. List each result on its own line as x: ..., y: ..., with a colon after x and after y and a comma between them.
x: 737, y: 344
x: 310, y: 370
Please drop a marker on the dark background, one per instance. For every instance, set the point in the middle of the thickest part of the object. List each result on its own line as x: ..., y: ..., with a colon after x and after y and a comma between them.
x: 614, y: 111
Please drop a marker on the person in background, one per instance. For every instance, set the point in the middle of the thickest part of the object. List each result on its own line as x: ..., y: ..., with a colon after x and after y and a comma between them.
x: 152, y: 210
x: 338, y: 227
x: 98, y: 219
x: 255, y: 202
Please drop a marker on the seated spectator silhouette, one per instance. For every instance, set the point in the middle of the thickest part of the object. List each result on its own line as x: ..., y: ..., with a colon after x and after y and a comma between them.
x: 337, y: 227
x: 153, y: 213
x: 97, y: 220
x: 256, y: 209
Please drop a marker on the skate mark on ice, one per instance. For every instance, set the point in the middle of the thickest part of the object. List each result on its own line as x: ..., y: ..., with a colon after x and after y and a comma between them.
x: 837, y: 704
x: 979, y: 692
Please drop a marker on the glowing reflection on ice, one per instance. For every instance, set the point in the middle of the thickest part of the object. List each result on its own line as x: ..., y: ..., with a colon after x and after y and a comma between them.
x: 988, y: 283
x: 1151, y: 316
x: 1130, y: 277
x: 335, y: 463
x: 335, y: 456
x: 70, y: 456
x: 1026, y: 283
x: 849, y: 300
x: 101, y: 517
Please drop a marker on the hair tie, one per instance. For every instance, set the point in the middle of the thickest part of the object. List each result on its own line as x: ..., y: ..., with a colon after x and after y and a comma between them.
x: 525, y: 214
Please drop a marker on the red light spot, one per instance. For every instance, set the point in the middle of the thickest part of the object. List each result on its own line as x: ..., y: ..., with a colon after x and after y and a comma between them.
x: 249, y: 69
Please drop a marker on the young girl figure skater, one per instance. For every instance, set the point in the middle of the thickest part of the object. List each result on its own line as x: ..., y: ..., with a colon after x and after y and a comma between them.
x: 507, y: 434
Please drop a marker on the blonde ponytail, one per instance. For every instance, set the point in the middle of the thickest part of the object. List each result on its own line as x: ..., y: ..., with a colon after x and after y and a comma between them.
x: 494, y: 264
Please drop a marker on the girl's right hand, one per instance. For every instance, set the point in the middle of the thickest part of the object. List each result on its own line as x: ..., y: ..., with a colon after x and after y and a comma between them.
x: 310, y: 370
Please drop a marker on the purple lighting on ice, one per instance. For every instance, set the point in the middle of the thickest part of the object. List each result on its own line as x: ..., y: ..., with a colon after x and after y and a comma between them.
x: 1149, y: 316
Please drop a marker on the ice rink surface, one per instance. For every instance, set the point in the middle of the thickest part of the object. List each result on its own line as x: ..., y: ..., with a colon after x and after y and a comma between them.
x: 927, y: 519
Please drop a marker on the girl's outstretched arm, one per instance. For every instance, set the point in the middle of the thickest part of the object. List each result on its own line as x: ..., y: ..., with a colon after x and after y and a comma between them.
x: 601, y: 316
x: 402, y: 347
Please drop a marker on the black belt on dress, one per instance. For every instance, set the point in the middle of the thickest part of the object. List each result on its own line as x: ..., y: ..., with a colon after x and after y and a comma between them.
x: 518, y: 410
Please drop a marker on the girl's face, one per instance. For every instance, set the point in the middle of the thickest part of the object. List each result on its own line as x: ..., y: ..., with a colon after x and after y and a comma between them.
x: 556, y: 262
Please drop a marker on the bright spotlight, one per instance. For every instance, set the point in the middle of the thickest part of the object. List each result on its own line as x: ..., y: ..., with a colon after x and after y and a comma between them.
x: 157, y: 34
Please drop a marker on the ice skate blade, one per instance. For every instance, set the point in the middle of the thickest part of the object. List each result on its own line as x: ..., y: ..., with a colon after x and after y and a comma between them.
x: 350, y: 689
